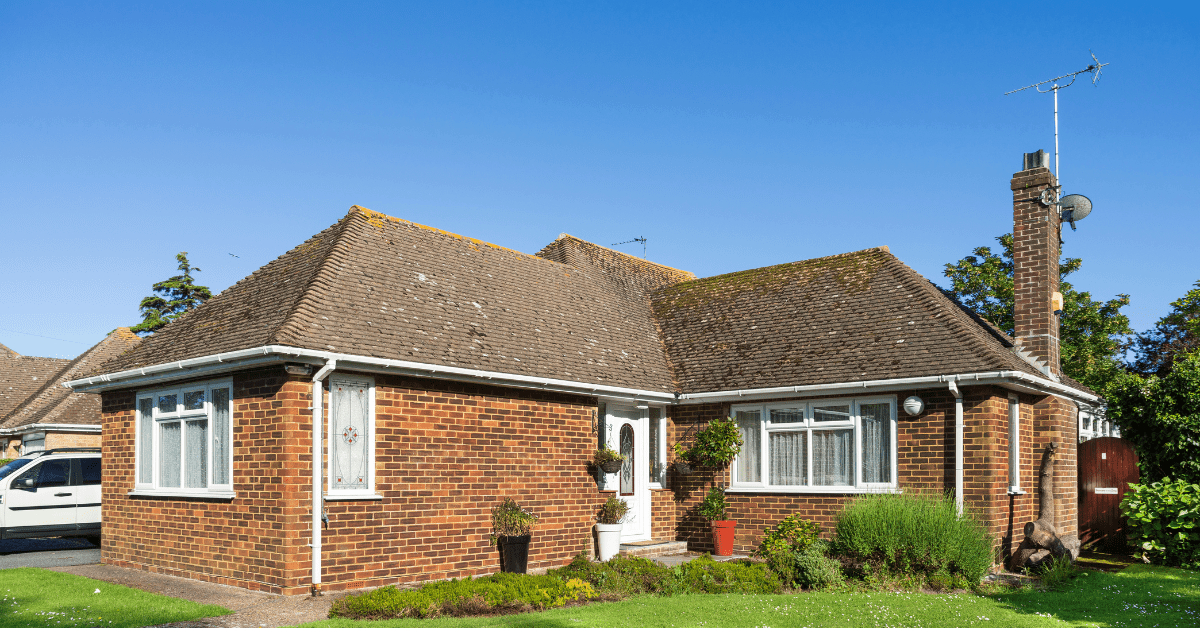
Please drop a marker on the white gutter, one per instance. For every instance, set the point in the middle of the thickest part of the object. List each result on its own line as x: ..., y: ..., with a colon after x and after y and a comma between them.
x: 1016, y: 380
x: 235, y: 360
x: 318, y: 467
x: 958, y: 446
x: 53, y: 427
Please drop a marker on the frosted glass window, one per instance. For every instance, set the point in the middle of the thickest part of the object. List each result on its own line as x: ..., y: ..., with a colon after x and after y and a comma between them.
x: 145, y: 440
x: 196, y: 454
x: 193, y: 400
x: 833, y: 457
x: 876, y: 442
x: 168, y: 403
x: 656, y: 463
x: 789, y: 458
x: 170, y: 448
x: 220, y: 436
x: 626, y: 444
x: 350, y: 419
x: 748, y: 462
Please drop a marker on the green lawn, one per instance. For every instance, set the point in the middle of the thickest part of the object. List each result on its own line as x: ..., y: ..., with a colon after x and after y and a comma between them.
x: 37, y: 598
x: 1138, y: 596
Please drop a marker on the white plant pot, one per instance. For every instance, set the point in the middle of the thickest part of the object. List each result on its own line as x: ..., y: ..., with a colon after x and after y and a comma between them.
x: 608, y: 539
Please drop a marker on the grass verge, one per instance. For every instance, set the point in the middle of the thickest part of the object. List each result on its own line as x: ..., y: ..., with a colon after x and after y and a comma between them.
x: 36, y: 598
x: 1138, y: 596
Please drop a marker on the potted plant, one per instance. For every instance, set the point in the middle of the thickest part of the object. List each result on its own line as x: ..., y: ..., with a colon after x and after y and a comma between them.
x: 682, y: 467
x: 717, y: 444
x: 608, y: 527
x: 713, y: 509
x: 608, y: 459
x: 511, y: 528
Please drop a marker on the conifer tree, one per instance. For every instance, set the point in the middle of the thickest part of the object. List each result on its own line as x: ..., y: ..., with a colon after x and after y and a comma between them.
x: 172, y: 298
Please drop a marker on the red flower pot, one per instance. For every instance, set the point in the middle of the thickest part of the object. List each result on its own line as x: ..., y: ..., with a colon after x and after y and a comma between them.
x: 723, y: 537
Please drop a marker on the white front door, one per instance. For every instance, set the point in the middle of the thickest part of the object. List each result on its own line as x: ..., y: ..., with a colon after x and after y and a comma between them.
x: 628, y: 434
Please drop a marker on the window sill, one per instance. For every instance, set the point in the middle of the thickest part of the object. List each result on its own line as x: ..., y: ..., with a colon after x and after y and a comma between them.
x: 366, y: 497
x: 813, y: 490
x: 220, y: 495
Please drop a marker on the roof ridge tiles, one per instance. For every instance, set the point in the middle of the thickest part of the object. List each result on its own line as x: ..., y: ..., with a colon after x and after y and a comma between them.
x: 639, y: 260
x: 377, y: 218
x: 290, y: 329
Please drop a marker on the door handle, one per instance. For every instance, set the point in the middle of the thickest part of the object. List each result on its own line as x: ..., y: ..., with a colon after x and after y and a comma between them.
x: 62, y: 494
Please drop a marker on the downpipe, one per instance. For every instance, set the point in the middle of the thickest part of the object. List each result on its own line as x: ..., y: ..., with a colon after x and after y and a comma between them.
x: 318, y: 501
x: 958, y: 446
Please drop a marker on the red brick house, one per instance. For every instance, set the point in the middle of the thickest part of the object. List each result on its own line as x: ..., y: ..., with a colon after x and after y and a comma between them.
x: 451, y: 373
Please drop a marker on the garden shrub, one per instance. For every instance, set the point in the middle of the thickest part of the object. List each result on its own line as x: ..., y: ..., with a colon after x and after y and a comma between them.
x: 782, y: 545
x: 624, y: 576
x: 499, y: 593
x: 914, y: 534
x: 1164, y: 521
x: 813, y: 569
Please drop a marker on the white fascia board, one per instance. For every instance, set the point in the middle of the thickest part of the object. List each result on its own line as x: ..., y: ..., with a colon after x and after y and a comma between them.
x: 1015, y: 380
x: 50, y: 427
x: 236, y: 360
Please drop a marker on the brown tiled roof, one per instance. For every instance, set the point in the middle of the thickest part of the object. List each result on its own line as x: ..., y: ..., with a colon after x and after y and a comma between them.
x: 378, y: 286
x: 624, y: 271
x: 5, y: 352
x: 850, y: 317
x: 21, y: 376
x: 50, y: 402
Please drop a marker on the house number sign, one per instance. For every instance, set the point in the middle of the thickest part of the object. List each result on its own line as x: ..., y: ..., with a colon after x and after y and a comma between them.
x: 1106, y: 491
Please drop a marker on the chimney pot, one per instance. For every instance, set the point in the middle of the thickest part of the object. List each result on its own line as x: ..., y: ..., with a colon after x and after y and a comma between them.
x: 1040, y: 159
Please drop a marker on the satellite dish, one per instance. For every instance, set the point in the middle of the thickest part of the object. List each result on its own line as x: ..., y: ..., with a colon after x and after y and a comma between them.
x: 1075, y: 207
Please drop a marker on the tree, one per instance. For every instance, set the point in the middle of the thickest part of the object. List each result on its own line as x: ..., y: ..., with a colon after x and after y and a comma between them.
x: 172, y: 299
x: 1160, y: 415
x: 1093, y: 335
x: 1174, y: 334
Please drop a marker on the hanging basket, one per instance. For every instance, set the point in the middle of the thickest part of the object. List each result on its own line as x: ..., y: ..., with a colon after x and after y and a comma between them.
x: 611, y: 466
x: 683, y: 468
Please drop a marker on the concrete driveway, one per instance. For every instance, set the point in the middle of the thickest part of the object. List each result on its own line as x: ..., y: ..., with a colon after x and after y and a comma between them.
x: 47, y: 553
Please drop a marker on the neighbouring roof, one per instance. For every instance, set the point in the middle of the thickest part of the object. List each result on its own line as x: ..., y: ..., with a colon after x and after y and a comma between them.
x: 379, y: 286
x: 36, y: 383
x: 845, y: 318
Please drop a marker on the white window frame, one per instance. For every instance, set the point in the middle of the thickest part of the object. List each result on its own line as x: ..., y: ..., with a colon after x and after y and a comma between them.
x: 809, y: 425
x: 370, y: 492
x: 181, y: 416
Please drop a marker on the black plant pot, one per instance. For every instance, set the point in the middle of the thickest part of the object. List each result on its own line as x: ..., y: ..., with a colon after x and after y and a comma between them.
x: 612, y: 466
x: 514, y: 552
x: 683, y: 468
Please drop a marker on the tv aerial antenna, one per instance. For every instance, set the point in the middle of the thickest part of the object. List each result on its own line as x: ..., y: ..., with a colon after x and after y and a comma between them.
x: 642, y: 240
x: 1094, y: 69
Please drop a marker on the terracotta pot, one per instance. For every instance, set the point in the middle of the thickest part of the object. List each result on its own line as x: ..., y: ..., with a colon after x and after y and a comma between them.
x: 723, y: 537
x: 612, y: 466
x: 608, y: 541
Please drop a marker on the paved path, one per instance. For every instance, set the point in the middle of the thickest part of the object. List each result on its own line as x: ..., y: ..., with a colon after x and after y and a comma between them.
x: 252, y: 609
x: 47, y: 553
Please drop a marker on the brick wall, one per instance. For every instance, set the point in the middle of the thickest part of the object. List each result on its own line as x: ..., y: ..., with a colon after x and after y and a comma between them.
x: 925, y: 445
x: 55, y: 440
x: 446, y: 453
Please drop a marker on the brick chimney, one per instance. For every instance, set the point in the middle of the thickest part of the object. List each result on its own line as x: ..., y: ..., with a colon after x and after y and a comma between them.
x: 1036, y: 248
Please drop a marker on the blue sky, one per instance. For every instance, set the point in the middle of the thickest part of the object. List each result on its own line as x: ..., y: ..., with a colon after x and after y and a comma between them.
x: 731, y: 135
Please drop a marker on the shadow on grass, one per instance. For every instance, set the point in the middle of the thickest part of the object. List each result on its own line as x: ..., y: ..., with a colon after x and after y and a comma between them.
x: 1139, y: 595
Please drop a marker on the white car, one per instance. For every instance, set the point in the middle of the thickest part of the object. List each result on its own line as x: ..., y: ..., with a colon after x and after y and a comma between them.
x: 51, y: 493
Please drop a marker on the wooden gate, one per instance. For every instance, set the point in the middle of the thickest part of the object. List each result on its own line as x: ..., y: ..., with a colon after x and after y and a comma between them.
x: 1106, y: 468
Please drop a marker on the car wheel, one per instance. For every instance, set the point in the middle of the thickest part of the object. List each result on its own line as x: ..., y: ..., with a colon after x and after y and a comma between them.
x: 94, y: 540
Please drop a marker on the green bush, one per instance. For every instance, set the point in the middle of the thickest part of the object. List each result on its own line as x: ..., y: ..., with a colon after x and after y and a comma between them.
x: 813, y: 569
x: 782, y: 544
x: 914, y: 534
x: 713, y: 507
x: 624, y: 576
x: 1164, y: 521
x: 1058, y: 571
x: 499, y: 593
x: 717, y: 444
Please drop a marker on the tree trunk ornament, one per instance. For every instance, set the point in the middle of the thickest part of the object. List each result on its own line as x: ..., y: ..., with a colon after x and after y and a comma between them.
x: 1042, y: 540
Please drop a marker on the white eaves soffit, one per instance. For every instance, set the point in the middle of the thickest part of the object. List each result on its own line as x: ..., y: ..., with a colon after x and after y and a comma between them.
x: 270, y: 354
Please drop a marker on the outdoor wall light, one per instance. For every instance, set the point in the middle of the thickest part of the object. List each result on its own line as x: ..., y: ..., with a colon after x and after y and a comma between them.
x: 914, y: 405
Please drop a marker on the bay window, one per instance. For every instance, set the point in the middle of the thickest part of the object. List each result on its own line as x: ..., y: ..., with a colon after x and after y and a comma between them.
x: 834, y: 446
x: 183, y: 440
